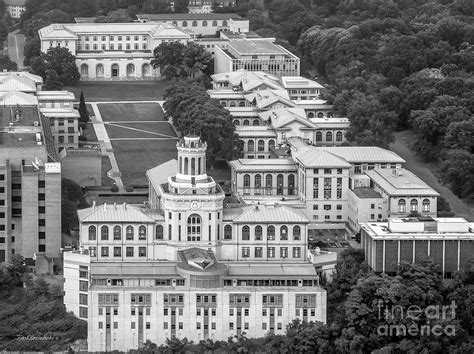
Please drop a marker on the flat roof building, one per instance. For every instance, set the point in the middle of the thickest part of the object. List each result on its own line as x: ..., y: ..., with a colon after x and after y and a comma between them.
x: 448, y: 241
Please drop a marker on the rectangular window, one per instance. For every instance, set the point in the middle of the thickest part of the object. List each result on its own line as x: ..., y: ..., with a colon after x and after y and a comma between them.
x: 117, y: 251
x: 271, y: 252
x: 284, y: 252
x: 245, y: 252
x: 327, y: 188
x: 83, y: 312
x: 315, y: 188
x: 104, y: 251
x: 258, y: 252
x: 296, y: 252
x: 141, y: 251
x: 129, y: 251
x: 83, y: 285
x: 83, y: 299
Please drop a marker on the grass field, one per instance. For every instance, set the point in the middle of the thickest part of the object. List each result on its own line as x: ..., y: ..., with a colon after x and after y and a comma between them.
x: 120, y: 90
x: 120, y: 112
x: 140, y: 130
x: 134, y: 157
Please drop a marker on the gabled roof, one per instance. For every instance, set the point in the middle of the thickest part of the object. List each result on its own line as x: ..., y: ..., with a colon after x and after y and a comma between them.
x: 400, y: 182
x: 317, y: 157
x: 265, y: 98
x: 16, y: 83
x: 159, y: 174
x: 120, y: 213
x: 56, y: 30
x: 249, y: 80
x: 35, y: 78
x: 281, y: 117
x: 167, y: 30
x: 13, y: 98
x: 271, y: 214
x: 367, y: 154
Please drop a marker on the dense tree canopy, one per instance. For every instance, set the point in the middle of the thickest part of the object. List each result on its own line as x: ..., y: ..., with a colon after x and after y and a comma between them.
x: 194, y: 112
x: 58, y: 65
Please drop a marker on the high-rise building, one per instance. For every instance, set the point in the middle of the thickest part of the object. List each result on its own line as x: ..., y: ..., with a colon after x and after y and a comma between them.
x: 186, y: 264
x: 30, y: 186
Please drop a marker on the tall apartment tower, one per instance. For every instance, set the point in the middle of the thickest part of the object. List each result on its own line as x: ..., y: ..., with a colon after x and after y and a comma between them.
x: 30, y: 187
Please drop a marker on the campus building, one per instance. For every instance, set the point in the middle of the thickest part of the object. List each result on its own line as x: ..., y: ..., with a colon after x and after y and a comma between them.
x: 15, y: 7
x: 448, y: 241
x: 267, y: 111
x: 186, y: 264
x: 200, y: 24
x: 30, y: 187
x: 256, y: 55
x: 120, y: 51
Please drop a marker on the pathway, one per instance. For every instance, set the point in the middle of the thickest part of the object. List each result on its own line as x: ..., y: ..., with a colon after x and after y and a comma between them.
x: 424, y: 170
x: 105, y: 141
x: 106, y: 147
x: 16, y: 44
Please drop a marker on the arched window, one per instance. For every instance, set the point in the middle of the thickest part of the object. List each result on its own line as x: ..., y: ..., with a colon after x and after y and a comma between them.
x: 319, y: 136
x: 223, y: 103
x: 291, y: 184
x: 204, y: 23
x: 330, y: 114
x: 214, y: 23
x: 258, y: 233
x: 246, y: 122
x: 414, y: 205
x: 185, y: 24
x: 296, y: 232
x: 329, y: 136
x: 104, y: 232
x: 99, y: 70
x: 246, y: 233
x: 310, y: 115
x: 271, y: 144
x: 232, y: 104
x: 117, y: 232
x: 280, y: 184
x: 224, y: 23
x: 320, y: 114
x: 247, y: 181
x: 241, y: 104
x: 251, y: 145
x: 186, y: 165
x: 426, y: 205
x: 227, y: 232
x: 339, y: 136
x: 402, y: 206
x: 283, y: 233
x: 130, y: 70
x: 129, y: 232
x: 92, y: 233
x: 269, y: 180
x: 261, y: 145
x: 236, y: 122
x: 194, y: 227
x: 159, y: 232
x: 142, y: 232
x: 174, y: 23
x: 84, y: 70
x: 256, y: 122
x: 271, y: 232
x: 146, y: 70
x: 115, y: 70
x: 194, y: 24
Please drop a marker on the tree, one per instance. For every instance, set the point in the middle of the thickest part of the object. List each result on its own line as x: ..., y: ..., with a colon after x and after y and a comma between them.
x: 181, y: 6
x: 52, y: 81
x: 84, y: 113
x: 72, y: 199
x: 61, y: 61
x: 7, y: 64
x: 457, y: 169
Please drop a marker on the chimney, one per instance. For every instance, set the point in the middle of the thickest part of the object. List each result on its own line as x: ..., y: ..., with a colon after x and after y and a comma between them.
x: 105, y: 206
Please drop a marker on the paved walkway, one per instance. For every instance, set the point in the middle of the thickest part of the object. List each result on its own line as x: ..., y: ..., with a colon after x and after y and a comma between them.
x: 16, y: 43
x: 105, y: 141
x: 106, y: 147
x: 424, y: 170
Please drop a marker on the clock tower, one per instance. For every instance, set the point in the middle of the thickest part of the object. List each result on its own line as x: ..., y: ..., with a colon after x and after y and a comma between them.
x: 192, y: 201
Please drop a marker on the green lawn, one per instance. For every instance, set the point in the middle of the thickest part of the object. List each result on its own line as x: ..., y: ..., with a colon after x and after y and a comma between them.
x: 140, y: 130
x: 134, y: 157
x: 120, y: 90
x: 131, y: 112
x: 106, y: 166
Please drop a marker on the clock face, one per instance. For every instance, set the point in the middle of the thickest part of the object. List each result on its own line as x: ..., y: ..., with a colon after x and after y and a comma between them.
x: 194, y: 205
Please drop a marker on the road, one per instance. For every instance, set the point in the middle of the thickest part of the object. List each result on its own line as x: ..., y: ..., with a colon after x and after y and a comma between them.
x: 16, y: 45
x: 425, y: 170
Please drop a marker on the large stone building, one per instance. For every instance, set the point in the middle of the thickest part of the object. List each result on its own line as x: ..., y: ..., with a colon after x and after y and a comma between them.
x: 186, y: 265
x: 448, y: 241
x: 256, y: 55
x: 112, y: 50
x: 15, y: 7
x: 30, y: 186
